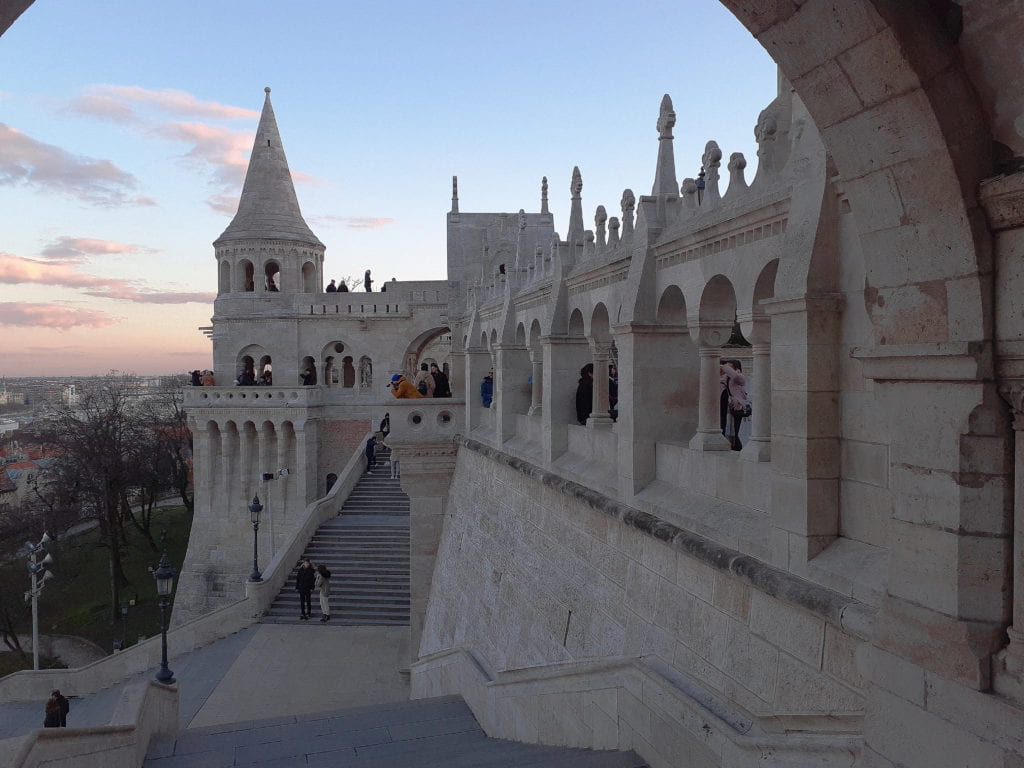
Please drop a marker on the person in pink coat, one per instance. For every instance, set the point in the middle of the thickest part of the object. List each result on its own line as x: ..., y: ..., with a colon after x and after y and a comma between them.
x: 733, y: 401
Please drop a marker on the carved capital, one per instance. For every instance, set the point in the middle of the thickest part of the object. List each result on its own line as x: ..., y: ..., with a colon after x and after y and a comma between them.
x: 1002, y: 197
x: 600, y: 350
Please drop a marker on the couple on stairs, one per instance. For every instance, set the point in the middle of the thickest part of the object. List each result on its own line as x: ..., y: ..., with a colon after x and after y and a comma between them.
x: 307, y: 579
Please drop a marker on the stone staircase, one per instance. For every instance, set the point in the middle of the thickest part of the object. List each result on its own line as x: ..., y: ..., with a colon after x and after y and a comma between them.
x: 428, y: 733
x: 366, y: 549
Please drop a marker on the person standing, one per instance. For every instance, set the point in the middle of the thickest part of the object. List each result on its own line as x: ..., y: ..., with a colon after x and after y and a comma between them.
x: 323, y: 586
x: 425, y: 383
x: 367, y: 282
x: 385, y: 425
x: 343, y: 287
x: 733, y: 400
x: 305, y: 580
x: 487, y: 389
x: 402, y: 387
x: 332, y: 288
x: 51, y: 713
x: 585, y: 394
x: 64, y: 706
x: 371, y: 453
x: 441, y: 386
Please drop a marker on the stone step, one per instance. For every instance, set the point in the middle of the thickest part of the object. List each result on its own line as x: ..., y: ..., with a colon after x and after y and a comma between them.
x: 430, y: 733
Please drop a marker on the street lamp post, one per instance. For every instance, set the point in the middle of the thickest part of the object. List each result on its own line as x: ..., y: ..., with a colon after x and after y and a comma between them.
x: 124, y: 624
x: 36, y: 588
x: 700, y: 186
x: 254, y: 515
x: 164, y: 576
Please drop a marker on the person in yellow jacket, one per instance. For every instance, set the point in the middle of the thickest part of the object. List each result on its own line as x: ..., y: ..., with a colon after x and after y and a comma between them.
x: 402, y: 387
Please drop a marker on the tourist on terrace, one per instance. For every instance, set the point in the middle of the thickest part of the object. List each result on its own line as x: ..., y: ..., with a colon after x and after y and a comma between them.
x: 487, y: 389
x: 342, y: 287
x: 402, y: 387
x: 733, y: 401
x: 308, y: 378
x: 385, y: 425
x: 425, y: 383
x: 197, y: 380
x: 51, y: 713
x: 441, y: 386
x: 367, y: 282
x: 613, y: 391
x: 585, y: 394
x: 266, y: 380
x: 208, y: 379
x: 331, y: 288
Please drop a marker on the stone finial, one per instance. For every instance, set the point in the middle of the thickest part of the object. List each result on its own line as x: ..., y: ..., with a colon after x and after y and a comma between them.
x: 689, y: 194
x: 576, y: 187
x: 455, y: 194
x: 544, y: 195
x: 628, y: 204
x: 522, y: 219
x: 600, y: 217
x: 737, y: 163
x: 765, y: 133
x: 666, y: 118
x: 588, y: 244
x: 613, y: 231
x: 712, y: 161
x: 575, y: 235
x: 267, y: 89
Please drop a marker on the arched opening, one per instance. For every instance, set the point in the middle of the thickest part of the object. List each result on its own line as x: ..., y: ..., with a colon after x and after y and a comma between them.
x: 247, y: 372
x: 272, y: 277
x: 224, y: 279
x: 576, y: 323
x: 244, y: 277
x: 307, y: 371
x: 348, y: 372
x: 671, y: 377
x: 309, y: 281
x: 247, y: 375
x: 365, y: 372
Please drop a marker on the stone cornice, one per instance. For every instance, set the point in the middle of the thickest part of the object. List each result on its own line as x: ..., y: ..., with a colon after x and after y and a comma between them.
x: 950, y: 361
x: 841, y: 611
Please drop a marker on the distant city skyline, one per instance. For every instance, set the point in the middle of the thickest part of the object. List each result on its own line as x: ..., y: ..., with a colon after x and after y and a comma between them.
x: 124, y: 138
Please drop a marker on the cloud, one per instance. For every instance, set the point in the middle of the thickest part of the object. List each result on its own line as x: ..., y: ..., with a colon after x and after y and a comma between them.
x: 49, y: 168
x: 52, y: 316
x: 113, y: 102
x: 17, y: 270
x: 223, y: 149
x: 224, y: 203
x: 79, y: 249
x: 354, y: 222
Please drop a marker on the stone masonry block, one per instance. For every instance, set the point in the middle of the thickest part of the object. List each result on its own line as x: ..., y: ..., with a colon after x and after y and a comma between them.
x: 829, y: 86
x: 881, y: 51
x: 732, y: 596
x: 796, y: 632
x: 839, y: 658
x: 802, y: 689
x: 806, y: 507
x: 866, y: 462
x: 864, y: 513
x: 695, y: 577
x: 923, y: 566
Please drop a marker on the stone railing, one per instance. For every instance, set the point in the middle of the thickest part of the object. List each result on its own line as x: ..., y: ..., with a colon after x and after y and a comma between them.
x: 425, y: 420
x: 30, y: 685
x: 145, y: 710
x: 608, y: 703
x: 253, y: 397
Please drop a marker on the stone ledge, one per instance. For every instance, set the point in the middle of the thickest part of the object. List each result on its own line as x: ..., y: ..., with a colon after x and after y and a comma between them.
x: 846, y: 613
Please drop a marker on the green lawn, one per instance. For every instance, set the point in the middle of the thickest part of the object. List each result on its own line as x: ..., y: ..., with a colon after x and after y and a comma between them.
x: 77, y: 601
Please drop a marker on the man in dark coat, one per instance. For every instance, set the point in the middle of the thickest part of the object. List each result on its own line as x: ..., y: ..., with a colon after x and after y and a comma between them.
x: 305, y: 578
x: 441, y: 386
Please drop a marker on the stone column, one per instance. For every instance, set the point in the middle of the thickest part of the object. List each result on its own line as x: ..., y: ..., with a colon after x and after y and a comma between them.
x: 510, y: 389
x: 271, y: 495
x: 248, y: 482
x: 536, y: 395
x: 710, y: 338
x: 478, y: 363
x: 427, y: 470
x: 1003, y: 200
x: 228, y: 461
x: 600, y: 353
x: 1008, y: 669
x: 563, y: 358
x: 306, y: 462
x: 758, y: 447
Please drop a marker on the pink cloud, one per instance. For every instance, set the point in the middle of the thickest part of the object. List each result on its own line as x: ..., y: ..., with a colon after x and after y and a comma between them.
x: 354, y: 222
x: 17, y: 270
x: 49, y: 168
x: 78, y: 249
x: 223, y: 203
x: 52, y: 316
x: 225, y: 150
x: 113, y: 102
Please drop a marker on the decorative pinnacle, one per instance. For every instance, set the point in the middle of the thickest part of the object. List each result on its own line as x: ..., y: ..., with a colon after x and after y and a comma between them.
x: 267, y: 89
x: 544, y: 194
x: 666, y: 118
x: 577, y: 182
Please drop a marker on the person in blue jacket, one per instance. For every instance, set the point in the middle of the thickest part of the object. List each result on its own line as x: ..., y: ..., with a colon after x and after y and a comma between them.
x: 487, y: 389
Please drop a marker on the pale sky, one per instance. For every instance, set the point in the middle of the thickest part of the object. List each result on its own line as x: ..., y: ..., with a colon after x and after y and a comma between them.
x: 126, y: 125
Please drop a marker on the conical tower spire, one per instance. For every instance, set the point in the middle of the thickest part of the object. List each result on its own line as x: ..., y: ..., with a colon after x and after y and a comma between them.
x: 665, y: 173
x: 268, y: 208
x: 576, y: 208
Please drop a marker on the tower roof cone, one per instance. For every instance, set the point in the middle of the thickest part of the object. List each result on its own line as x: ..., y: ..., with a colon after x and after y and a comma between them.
x: 268, y: 207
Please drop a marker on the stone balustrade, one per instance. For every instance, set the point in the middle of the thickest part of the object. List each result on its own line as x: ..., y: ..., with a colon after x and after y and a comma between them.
x: 260, y: 397
x: 425, y: 420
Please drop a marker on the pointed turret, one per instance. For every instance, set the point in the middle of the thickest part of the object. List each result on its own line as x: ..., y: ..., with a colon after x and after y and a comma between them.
x: 576, y: 209
x: 665, y: 173
x: 268, y: 208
